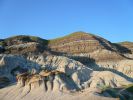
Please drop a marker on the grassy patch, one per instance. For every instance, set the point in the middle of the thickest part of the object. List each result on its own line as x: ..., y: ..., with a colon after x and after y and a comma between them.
x: 2, y: 43
x: 125, y: 42
x: 26, y: 38
x: 75, y: 34
x: 129, y: 88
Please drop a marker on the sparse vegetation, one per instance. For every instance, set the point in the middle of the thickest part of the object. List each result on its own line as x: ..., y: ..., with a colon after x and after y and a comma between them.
x: 125, y: 42
x: 129, y: 88
x: 77, y: 34
x: 2, y: 43
x: 103, y: 87
x: 124, y: 93
x: 26, y: 38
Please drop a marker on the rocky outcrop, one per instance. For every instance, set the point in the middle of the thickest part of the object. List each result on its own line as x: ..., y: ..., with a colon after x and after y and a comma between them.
x: 107, y: 79
x: 14, y: 93
x: 129, y: 46
x: 74, y: 69
x: 23, y: 44
x: 76, y: 44
x: 47, y: 84
x: 47, y: 81
x: 79, y: 42
x: 20, y: 39
x: 53, y: 75
x: 31, y: 47
x: 79, y: 62
x: 10, y: 65
x: 86, y: 45
x: 123, y: 67
x: 56, y: 81
x: 94, y: 51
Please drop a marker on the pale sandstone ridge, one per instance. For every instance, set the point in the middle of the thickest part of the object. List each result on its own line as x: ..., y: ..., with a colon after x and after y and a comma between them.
x: 75, y: 43
x: 74, y: 69
x: 108, y: 79
x: 80, y: 46
x: 15, y: 93
x: 79, y: 66
x: 47, y: 81
x: 124, y: 67
x: 15, y: 64
x: 12, y: 65
x: 93, y: 50
x: 56, y: 78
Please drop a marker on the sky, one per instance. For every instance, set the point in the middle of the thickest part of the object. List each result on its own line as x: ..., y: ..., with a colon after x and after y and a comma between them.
x: 48, y: 19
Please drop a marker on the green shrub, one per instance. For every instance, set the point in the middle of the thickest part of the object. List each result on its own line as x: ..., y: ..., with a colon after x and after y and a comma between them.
x: 129, y: 88
x: 2, y: 43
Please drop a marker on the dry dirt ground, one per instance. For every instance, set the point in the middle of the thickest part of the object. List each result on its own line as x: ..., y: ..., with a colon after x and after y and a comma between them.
x: 15, y: 93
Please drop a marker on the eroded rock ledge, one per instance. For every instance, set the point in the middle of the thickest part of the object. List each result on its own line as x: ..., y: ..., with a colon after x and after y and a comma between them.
x: 46, y: 80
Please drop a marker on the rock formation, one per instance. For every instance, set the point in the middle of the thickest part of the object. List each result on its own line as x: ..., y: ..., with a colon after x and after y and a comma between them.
x: 78, y: 66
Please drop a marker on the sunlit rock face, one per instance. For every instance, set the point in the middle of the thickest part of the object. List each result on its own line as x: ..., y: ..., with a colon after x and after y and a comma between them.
x: 79, y: 42
x: 78, y: 66
x: 107, y: 79
x: 10, y: 62
x: 124, y: 67
x: 47, y: 81
x: 78, y: 72
x: 86, y: 48
x: 23, y: 44
x: 94, y: 51
x: 39, y: 76
x: 11, y: 65
x: 24, y: 48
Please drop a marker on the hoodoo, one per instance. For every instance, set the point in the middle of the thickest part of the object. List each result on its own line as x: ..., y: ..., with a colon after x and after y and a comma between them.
x: 79, y: 66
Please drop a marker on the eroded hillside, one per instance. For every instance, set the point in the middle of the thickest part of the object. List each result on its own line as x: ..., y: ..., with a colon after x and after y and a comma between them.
x: 77, y: 66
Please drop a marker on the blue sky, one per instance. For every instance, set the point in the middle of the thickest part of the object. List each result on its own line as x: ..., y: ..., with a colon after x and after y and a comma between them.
x: 111, y: 19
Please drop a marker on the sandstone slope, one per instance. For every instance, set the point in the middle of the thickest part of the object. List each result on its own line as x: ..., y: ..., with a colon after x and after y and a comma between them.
x: 55, y: 78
